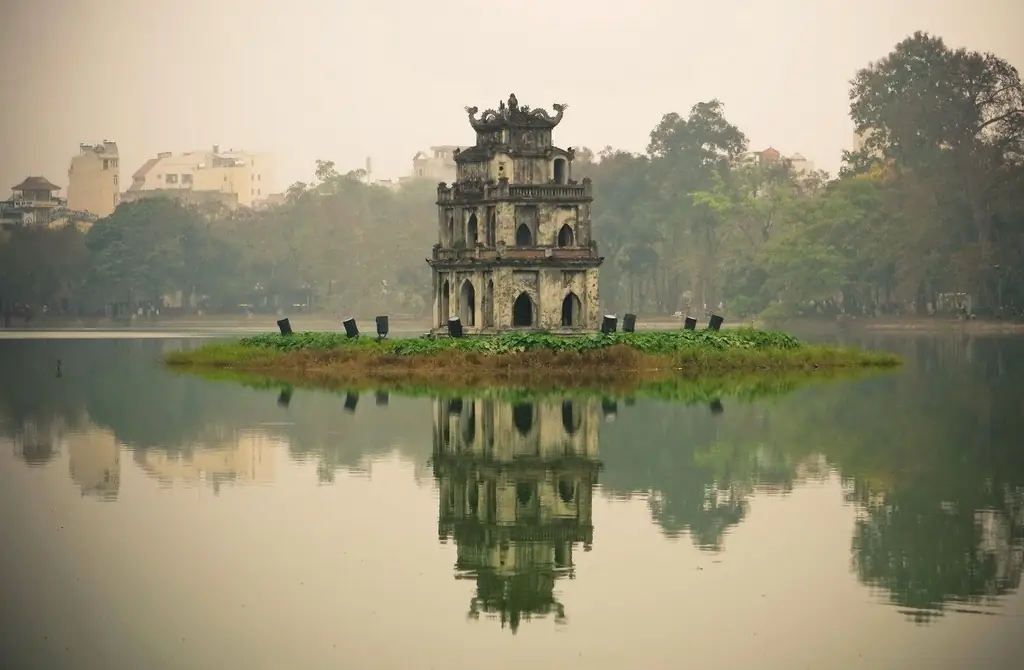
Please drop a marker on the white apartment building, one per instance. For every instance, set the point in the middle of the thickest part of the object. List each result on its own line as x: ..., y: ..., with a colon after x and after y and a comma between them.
x: 243, y: 175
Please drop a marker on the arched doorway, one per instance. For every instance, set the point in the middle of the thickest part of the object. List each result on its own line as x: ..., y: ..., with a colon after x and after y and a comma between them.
x: 489, y: 304
x: 471, y: 231
x: 565, y: 236
x: 524, y: 238
x: 571, y: 310
x: 559, y: 170
x: 467, y: 304
x: 443, y: 303
x: 522, y: 311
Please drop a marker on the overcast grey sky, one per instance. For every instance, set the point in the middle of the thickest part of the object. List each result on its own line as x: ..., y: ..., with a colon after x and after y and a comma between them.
x: 343, y: 80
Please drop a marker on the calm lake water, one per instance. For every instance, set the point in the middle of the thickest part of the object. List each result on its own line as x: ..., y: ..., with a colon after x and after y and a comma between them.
x: 154, y: 520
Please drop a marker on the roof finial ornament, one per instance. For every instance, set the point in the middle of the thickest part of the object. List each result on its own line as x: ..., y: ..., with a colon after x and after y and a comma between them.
x: 513, y: 103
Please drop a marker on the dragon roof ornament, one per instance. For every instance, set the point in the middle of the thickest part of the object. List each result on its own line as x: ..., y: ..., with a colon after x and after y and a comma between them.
x: 514, y: 114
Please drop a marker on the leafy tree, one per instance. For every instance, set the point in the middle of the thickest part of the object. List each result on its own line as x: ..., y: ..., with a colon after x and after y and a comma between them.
x: 150, y: 248
x: 955, y: 120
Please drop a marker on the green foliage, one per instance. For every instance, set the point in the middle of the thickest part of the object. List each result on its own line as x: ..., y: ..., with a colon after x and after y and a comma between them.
x: 932, y: 204
x: 659, y: 342
x: 149, y: 248
x: 949, y: 127
x: 40, y: 265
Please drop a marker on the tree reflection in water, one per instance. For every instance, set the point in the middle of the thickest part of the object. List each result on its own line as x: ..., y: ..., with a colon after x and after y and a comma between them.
x: 929, y: 457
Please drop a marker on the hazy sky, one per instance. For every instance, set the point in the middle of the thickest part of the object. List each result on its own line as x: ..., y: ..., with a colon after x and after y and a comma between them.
x: 343, y: 80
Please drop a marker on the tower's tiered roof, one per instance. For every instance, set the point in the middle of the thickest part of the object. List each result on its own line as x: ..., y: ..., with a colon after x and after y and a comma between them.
x: 514, y: 115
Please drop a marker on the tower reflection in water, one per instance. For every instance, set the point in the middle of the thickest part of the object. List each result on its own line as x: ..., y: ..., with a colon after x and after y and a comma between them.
x: 516, y: 483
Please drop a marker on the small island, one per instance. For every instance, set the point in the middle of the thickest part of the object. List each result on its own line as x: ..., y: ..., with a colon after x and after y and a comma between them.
x: 618, y: 361
x: 515, y: 279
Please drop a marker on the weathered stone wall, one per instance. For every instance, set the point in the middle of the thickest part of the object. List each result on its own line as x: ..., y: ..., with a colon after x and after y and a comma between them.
x: 518, y: 169
x: 497, y: 290
x: 545, y: 219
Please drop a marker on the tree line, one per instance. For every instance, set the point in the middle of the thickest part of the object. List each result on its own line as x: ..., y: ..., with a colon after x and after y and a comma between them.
x: 928, y: 212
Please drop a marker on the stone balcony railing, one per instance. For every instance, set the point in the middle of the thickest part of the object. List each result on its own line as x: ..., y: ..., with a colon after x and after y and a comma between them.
x: 503, y: 190
x: 515, y: 253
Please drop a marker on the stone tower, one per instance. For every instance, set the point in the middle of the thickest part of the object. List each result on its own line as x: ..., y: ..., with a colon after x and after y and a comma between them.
x: 515, y: 250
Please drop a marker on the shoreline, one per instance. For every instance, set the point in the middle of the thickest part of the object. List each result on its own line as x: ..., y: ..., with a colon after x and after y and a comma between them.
x: 904, y: 326
x: 618, y: 361
x: 685, y: 390
x: 330, y: 324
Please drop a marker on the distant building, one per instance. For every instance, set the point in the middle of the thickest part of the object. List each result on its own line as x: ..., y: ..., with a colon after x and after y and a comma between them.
x: 94, y: 179
x: 800, y: 164
x: 797, y: 162
x: 438, y: 165
x: 247, y: 176
x: 33, y: 202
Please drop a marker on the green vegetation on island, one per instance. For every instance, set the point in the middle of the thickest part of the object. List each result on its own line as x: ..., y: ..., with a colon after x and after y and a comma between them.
x: 610, y: 363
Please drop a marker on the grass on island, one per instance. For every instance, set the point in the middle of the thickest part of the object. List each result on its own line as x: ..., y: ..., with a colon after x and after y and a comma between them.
x: 618, y: 361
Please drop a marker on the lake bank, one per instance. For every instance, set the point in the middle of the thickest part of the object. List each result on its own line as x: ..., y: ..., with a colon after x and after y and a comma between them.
x: 745, y: 387
x: 537, y: 361
x: 902, y: 326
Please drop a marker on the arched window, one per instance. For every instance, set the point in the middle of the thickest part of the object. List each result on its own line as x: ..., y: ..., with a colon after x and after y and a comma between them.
x: 524, y: 238
x: 566, y: 238
x: 522, y: 311
x: 443, y: 303
x: 571, y: 310
x: 467, y: 304
x: 560, y: 171
x: 489, y: 304
x: 471, y: 231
